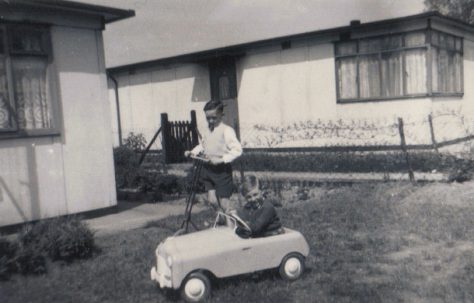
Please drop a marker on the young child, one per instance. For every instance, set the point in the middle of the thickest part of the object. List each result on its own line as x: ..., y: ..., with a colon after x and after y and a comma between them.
x: 220, y: 145
x: 259, y: 214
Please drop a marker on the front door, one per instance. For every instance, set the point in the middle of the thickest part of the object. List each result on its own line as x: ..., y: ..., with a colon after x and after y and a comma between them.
x: 224, y: 87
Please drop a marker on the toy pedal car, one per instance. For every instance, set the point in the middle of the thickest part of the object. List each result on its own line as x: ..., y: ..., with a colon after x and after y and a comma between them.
x: 187, y: 262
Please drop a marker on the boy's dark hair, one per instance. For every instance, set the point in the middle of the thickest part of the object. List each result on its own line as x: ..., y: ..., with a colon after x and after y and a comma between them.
x: 249, y: 183
x: 214, y: 104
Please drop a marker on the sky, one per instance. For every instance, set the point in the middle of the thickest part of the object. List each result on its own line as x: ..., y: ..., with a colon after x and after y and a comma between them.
x: 166, y: 28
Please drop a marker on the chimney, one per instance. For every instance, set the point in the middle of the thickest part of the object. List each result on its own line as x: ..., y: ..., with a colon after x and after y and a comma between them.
x: 355, y: 22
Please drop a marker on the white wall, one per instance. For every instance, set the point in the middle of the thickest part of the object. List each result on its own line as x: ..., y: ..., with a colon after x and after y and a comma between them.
x: 87, y: 141
x: 287, y: 98
x: 48, y: 176
x: 146, y: 94
x: 456, y: 115
x: 285, y: 86
x: 31, y: 180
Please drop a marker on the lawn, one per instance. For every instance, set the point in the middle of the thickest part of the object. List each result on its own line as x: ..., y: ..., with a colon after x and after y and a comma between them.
x: 385, y: 242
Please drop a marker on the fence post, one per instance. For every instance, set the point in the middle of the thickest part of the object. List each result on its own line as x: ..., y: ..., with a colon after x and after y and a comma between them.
x: 433, y: 139
x: 165, y: 136
x: 404, y: 148
x: 194, y: 132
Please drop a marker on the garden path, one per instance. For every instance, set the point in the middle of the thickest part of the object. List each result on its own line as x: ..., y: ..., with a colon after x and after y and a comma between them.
x: 131, y: 215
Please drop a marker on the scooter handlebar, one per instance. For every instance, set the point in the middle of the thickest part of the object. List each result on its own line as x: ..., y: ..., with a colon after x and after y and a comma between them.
x: 200, y: 158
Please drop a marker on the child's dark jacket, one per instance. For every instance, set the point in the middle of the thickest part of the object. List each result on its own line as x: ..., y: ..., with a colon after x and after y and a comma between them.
x: 261, y: 217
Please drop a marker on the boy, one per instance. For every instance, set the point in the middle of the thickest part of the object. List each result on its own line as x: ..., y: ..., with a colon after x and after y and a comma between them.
x: 259, y: 214
x: 221, y: 146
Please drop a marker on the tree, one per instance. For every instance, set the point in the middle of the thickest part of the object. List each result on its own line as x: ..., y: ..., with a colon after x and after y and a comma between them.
x: 459, y: 9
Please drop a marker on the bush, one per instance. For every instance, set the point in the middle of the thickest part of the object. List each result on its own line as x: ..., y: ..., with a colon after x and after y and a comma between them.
x: 163, y: 184
x: 8, y: 251
x: 26, y: 256
x: 351, y: 162
x: 461, y: 170
x: 127, y: 170
x: 128, y: 173
x: 64, y: 239
x: 30, y: 261
x: 136, y: 142
x: 169, y: 184
x: 71, y: 240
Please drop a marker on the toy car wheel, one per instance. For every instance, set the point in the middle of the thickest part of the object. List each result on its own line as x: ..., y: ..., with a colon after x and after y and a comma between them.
x: 292, y: 267
x: 196, y: 288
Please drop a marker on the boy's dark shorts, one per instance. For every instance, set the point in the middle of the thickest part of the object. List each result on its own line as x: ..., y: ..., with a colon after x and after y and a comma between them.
x: 218, y: 177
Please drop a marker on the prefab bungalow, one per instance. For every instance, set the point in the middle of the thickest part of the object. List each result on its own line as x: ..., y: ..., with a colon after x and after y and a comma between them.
x: 344, y: 86
x: 55, y: 140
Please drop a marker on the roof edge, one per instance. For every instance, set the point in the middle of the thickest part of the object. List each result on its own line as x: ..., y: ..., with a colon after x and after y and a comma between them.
x: 109, y: 14
x: 239, y: 47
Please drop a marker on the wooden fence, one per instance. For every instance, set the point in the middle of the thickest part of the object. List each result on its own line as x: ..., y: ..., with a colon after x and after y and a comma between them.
x: 178, y: 136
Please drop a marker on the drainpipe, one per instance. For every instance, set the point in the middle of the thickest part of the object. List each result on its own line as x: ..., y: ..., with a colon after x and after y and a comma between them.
x: 117, y: 104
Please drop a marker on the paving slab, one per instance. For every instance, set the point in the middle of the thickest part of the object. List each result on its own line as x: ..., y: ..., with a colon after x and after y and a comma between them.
x: 132, y: 215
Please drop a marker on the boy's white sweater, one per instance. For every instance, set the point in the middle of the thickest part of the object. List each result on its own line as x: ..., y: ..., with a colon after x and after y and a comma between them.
x: 221, y: 143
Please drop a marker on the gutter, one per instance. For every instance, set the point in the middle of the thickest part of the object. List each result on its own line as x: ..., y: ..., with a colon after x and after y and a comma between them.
x: 117, y: 104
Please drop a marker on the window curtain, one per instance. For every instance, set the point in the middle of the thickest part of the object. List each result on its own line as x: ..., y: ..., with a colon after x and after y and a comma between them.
x: 224, y: 87
x: 434, y: 70
x: 369, y: 76
x: 4, y: 114
x: 392, y: 78
x: 457, y: 58
x: 415, y: 76
x: 30, y: 83
x: 347, y: 75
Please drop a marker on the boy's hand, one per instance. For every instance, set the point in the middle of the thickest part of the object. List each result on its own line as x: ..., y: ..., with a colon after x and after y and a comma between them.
x: 187, y: 153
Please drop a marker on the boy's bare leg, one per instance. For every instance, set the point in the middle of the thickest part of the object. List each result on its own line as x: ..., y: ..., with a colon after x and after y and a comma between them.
x: 226, y: 204
x: 219, y: 204
x: 212, y: 200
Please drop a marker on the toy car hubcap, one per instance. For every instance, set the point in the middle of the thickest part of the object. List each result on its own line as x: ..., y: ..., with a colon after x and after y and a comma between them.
x: 195, y: 288
x: 293, y: 267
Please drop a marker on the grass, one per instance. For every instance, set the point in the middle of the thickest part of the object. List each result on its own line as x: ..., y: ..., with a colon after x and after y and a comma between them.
x: 390, y: 242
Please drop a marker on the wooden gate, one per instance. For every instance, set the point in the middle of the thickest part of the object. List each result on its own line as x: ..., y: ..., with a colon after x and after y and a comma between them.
x: 178, y: 136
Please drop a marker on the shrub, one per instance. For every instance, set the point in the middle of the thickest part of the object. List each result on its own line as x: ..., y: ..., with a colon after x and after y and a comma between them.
x: 30, y: 250
x: 30, y: 261
x: 8, y: 252
x: 128, y: 173
x: 188, y: 180
x: 136, y: 142
x: 395, y: 161
x: 158, y: 184
x: 461, y: 170
x: 71, y: 240
x: 169, y: 184
x: 64, y: 239
x: 127, y: 170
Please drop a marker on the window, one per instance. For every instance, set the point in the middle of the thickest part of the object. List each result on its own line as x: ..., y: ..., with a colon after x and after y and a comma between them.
x: 223, y: 79
x: 25, y: 99
x: 446, y: 60
x: 396, y: 66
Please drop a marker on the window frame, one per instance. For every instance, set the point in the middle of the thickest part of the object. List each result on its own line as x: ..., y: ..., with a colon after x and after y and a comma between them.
x: 223, y: 67
x: 426, y: 46
x: 7, y: 55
